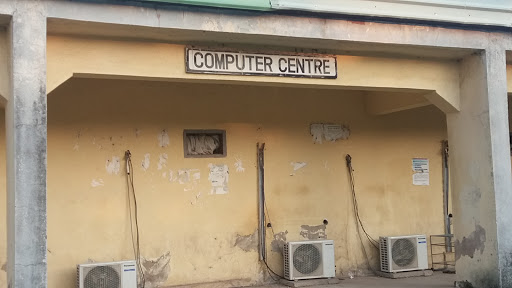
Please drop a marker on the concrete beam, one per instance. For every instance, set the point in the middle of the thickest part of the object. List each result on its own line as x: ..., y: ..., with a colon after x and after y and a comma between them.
x: 26, y: 148
x: 480, y: 173
x: 86, y: 57
x: 4, y: 68
x: 509, y: 78
x: 182, y: 24
x: 381, y: 103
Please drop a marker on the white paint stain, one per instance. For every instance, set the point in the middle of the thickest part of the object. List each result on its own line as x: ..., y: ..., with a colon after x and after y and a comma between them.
x: 96, y: 183
x: 113, y: 165
x: 219, y: 176
x: 164, y: 174
x: 239, y: 165
x: 189, y: 178
x: 76, y: 147
x: 172, y: 176
x: 162, y: 161
x: 163, y: 138
x: 146, y: 161
x: 183, y: 176
x: 298, y: 165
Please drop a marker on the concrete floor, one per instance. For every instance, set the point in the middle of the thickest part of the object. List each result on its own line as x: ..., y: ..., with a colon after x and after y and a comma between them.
x: 437, y: 280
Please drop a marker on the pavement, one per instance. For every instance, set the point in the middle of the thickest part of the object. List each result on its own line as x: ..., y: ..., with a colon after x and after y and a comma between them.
x: 439, y: 279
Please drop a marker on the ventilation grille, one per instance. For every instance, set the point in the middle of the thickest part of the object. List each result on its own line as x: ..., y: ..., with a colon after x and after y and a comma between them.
x: 307, y: 260
x: 102, y: 276
x: 404, y: 254
x: 384, y: 257
x: 286, y: 256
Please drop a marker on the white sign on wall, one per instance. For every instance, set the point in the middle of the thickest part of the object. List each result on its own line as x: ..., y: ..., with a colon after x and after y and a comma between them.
x: 421, y: 176
x: 238, y: 63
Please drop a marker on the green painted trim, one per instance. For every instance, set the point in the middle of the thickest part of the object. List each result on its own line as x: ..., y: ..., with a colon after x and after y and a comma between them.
x: 261, y: 5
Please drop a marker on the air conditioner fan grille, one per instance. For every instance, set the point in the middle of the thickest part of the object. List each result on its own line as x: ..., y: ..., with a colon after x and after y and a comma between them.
x: 102, y: 277
x: 403, y: 252
x: 306, y: 258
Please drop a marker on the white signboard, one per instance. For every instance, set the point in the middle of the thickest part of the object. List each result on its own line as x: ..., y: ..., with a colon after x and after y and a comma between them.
x: 421, y: 176
x: 238, y: 63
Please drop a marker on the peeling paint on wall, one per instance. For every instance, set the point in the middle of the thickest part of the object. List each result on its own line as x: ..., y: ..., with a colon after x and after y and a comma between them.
x: 219, y: 176
x: 146, y: 161
x: 247, y: 242
x: 172, y: 176
x: 278, y: 242
x: 313, y: 232
x: 298, y: 165
x: 96, y: 183
x: 156, y: 271
x: 163, y: 139
x: 162, y: 161
x: 113, y: 165
x: 187, y: 177
x: 469, y: 245
x: 239, y: 165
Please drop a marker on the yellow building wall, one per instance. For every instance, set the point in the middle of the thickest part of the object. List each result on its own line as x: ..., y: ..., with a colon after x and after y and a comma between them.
x: 189, y: 235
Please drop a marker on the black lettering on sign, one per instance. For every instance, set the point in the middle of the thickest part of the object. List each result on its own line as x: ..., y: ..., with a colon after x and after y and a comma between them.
x: 250, y: 57
x: 291, y: 65
x: 268, y: 64
x: 195, y: 60
x: 211, y: 58
x: 309, y: 65
x: 230, y: 59
x: 300, y: 65
x: 282, y: 65
x: 259, y: 63
x: 318, y: 66
x: 238, y: 61
x: 219, y: 61
x: 326, y: 66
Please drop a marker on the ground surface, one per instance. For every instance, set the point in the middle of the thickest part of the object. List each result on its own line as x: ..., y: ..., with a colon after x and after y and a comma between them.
x: 437, y: 280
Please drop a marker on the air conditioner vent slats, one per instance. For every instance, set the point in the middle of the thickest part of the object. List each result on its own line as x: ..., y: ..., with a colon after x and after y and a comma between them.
x: 107, y: 275
x: 309, y: 259
x: 403, y: 253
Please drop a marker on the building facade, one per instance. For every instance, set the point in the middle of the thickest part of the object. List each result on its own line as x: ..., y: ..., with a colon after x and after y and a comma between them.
x: 85, y: 81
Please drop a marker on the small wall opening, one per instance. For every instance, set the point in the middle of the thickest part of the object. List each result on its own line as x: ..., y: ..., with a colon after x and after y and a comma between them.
x: 204, y: 143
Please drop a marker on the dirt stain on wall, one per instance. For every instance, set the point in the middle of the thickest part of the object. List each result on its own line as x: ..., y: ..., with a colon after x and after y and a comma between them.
x: 156, y: 271
x: 469, y: 245
x: 247, y: 242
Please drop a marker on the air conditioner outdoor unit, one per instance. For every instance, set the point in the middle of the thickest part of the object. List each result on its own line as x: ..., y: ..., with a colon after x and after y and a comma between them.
x: 309, y: 259
x: 107, y: 275
x: 403, y: 253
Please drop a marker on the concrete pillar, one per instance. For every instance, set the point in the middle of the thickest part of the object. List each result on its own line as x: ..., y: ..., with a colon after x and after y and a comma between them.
x: 480, y: 173
x: 26, y: 147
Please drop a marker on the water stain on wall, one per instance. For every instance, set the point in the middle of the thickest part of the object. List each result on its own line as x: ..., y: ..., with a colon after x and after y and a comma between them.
x: 278, y: 242
x: 469, y: 245
x: 313, y: 232
x: 247, y: 242
x: 156, y: 271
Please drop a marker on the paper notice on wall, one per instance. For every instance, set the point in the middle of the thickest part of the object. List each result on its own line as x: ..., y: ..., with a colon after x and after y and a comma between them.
x: 421, y: 176
x: 329, y: 132
x: 219, y: 175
